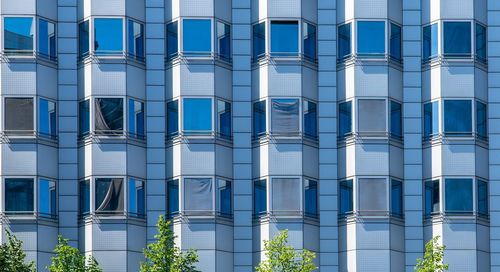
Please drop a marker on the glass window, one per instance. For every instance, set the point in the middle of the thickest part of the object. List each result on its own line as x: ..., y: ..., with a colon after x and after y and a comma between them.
x: 311, y: 197
x: 482, y: 197
x: 85, y: 196
x: 108, y: 36
x: 136, y: 118
x: 136, y: 195
x: 46, y: 39
x: 481, y: 120
x: 310, y: 119
x: 344, y: 41
x: 108, y: 115
x: 259, y: 40
x: 481, y: 42
x: 397, y: 197
x: 224, y: 196
x: 259, y: 197
x: 457, y: 38
x: 224, y: 40
x: 47, y: 118
x: 136, y: 40
x: 259, y: 118
x: 18, y: 34
x: 371, y: 115
x: 345, y: 197
x: 309, y: 37
x: 198, y: 194
x: 19, y: 115
x: 224, y: 118
x: 47, y: 205
x: 84, y: 117
x: 396, y: 120
x: 373, y: 194
x: 458, y: 195
x: 173, y: 197
x: 19, y: 195
x: 395, y: 42
x: 172, y: 40
x: 285, y: 189
x: 345, y: 119
x: 458, y: 117
x: 83, y: 39
x: 197, y: 36
x: 432, y: 197
x: 371, y: 38
x: 285, y: 116
x: 197, y: 115
x: 430, y: 41
x: 108, y: 195
x: 284, y: 38
x: 431, y: 119
x: 172, y: 118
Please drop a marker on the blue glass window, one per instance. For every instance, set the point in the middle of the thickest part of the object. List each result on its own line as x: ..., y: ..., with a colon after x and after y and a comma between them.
x: 18, y: 115
x: 84, y: 117
x: 19, y: 195
x: 481, y: 120
x: 432, y: 198
x: 224, y: 119
x: 172, y: 118
x: 224, y: 198
x: 285, y: 116
x: 84, y: 197
x: 311, y: 197
x: 47, y: 39
x: 109, y: 115
x: 173, y: 197
x: 458, y: 195
x: 83, y: 39
x: 430, y: 41
x: 458, y: 117
x: 396, y: 120
x: 259, y: 118
x: 481, y: 42
x: 197, y: 115
x: 224, y: 40
x: 197, y: 36
x: 397, y: 198
x: 47, y: 205
x: 259, y: 197
x: 136, y: 195
x: 108, y: 36
x: 259, y: 40
x: 344, y: 41
x: 172, y: 40
x: 345, y: 197
x: 457, y: 39
x: 345, y: 119
x: 309, y: 37
x: 136, y: 40
x: 395, y: 42
x: 310, y: 119
x: 109, y: 195
x: 136, y: 118
x: 371, y: 38
x: 18, y: 35
x: 47, y: 118
x: 482, y: 197
x: 431, y: 119
x: 284, y: 38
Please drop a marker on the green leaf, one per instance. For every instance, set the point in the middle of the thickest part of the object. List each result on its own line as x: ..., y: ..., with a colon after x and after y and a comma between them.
x: 433, y: 257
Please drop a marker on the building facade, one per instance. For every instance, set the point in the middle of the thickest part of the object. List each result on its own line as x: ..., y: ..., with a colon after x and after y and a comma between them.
x: 364, y: 127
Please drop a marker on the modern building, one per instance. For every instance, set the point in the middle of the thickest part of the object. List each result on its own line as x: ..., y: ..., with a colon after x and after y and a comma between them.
x: 364, y: 127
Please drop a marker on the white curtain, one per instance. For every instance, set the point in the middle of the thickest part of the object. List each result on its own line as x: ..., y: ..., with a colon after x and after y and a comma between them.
x: 198, y: 194
x: 373, y: 194
x: 286, y: 194
x: 372, y: 115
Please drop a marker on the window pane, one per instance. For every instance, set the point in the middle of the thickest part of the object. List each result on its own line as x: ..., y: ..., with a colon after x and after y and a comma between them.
x: 47, y: 198
x: 311, y: 197
x: 224, y: 40
x: 19, y: 196
x: 109, y: 195
x: 84, y: 117
x: 457, y: 38
x: 285, y: 189
x: 172, y: 118
x: 458, y: 195
x: 108, y: 35
x: 197, y: 36
x: 259, y: 118
x: 344, y: 41
x: 136, y: 39
x: 109, y: 115
x: 430, y: 41
x: 346, y: 199
x: 345, y: 119
x: 259, y: 40
x: 18, y: 34
x: 172, y: 40
x: 372, y: 115
x: 480, y: 42
x: 136, y: 118
x: 173, y: 197
x: 481, y: 120
x: 197, y: 115
x: 396, y: 120
x: 259, y: 196
x: 431, y: 119
x: 284, y: 38
x: 458, y: 117
x: 397, y: 198
x: 373, y: 195
x: 47, y: 118
x: 224, y: 118
x: 395, y: 42
x: 482, y: 197
x: 84, y: 196
x: 371, y: 37
x: 432, y: 197
x: 46, y: 39
x: 19, y: 114
x: 285, y: 116
x: 83, y: 38
x: 309, y: 36
x: 136, y: 201
x: 310, y: 119
x: 224, y: 196
x: 198, y: 194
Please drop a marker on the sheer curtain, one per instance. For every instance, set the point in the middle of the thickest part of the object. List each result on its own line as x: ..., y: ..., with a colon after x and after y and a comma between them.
x: 109, y: 115
x: 286, y: 195
x: 372, y: 115
x: 285, y: 116
x: 109, y: 195
x: 373, y: 194
x: 19, y: 195
x: 19, y: 114
x: 198, y: 195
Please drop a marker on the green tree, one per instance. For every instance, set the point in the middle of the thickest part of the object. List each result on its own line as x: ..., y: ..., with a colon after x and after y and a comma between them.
x: 12, y: 256
x: 68, y: 258
x: 433, y: 257
x: 164, y: 255
x: 283, y: 258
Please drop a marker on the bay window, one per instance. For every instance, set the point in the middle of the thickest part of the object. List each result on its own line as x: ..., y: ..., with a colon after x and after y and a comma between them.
x: 224, y: 40
x: 309, y: 40
x: 458, y: 195
x: 136, y: 118
x: 21, y: 194
x: 395, y: 42
x: 259, y: 118
x: 371, y: 38
x: 345, y: 119
x: 344, y: 37
x: 432, y: 197
x: 457, y: 117
x: 18, y: 33
x: 108, y: 36
x: 373, y: 197
x: 481, y: 43
x: 109, y: 195
x: 84, y: 118
x: 108, y: 116
x: 224, y: 197
x: 430, y: 41
x: 396, y: 120
x: 310, y: 119
x: 346, y: 199
x: 457, y: 39
x: 135, y: 40
x: 310, y: 197
x: 283, y: 191
x: 172, y: 40
x: 396, y: 198
x: 47, y: 118
x: 481, y: 120
x: 197, y: 115
x: 285, y: 116
x: 83, y: 39
x: 47, y: 196
x: 284, y: 38
x: 47, y: 39
x: 372, y: 117
x: 198, y: 195
x: 85, y: 197
x: 196, y: 37
x: 482, y: 198
x: 259, y: 197
x: 173, y: 197
x: 431, y: 119
x: 136, y: 198
x: 19, y: 115
x: 259, y: 40
x: 172, y: 118
x: 224, y: 119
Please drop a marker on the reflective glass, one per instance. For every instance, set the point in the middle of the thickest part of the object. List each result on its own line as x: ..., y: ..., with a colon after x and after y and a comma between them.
x: 197, y: 115
x: 430, y: 41
x: 136, y: 39
x: 481, y: 120
x: 309, y: 37
x: 284, y: 38
x: 136, y: 118
x: 310, y: 119
x: 345, y: 119
x: 458, y: 117
x: 458, y: 195
x: 84, y: 196
x: 372, y: 115
x: 285, y: 116
x: 371, y: 38
x: 259, y: 118
x: 197, y: 36
x: 109, y: 195
x: 18, y: 34
x: 198, y: 195
x: 224, y: 193
x: 224, y: 118
x: 46, y: 39
x: 457, y: 38
x: 84, y: 117
x: 19, y: 195
x: 47, y: 198
x: 395, y: 42
x: 311, y: 197
x: 431, y: 119
x: 224, y: 40
x: 172, y: 118
x: 47, y: 118
x: 432, y: 198
x: 481, y: 42
x: 397, y: 197
x: 283, y: 191
x: 108, y: 36
x: 482, y: 197
x: 19, y: 115
x: 109, y: 115
x: 172, y: 40
x: 344, y: 41
x: 373, y: 195
x: 396, y: 120
x: 259, y: 40
x: 136, y: 201
x: 83, y: 39
x: 259, y: 197
x: 173, y: 197
x: 345, y: 197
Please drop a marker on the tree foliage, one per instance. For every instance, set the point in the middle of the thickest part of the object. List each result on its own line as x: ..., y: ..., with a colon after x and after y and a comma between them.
x: 12, y: 256
x: 283, y: 258
x: 68, y: 258
x: 433, y: 257
x: 164, y: 255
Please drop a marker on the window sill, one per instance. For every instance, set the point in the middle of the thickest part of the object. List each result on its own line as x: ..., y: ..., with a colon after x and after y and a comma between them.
x: 208, y: 137
x: 386, y: 217
x: 31, y: 217
x: 115, y: 58
x: 292, y: 216
x: 27, y: 137
x: 440, y: 217
x: 446, y: 138
x: 209, y: 57
x: 369, y: 59
x: 443, y: 60
x: 117, y: 137
x: 295, y: 137
x: 364, y: 137
x: 297, y: 59
x: 118, y: 217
